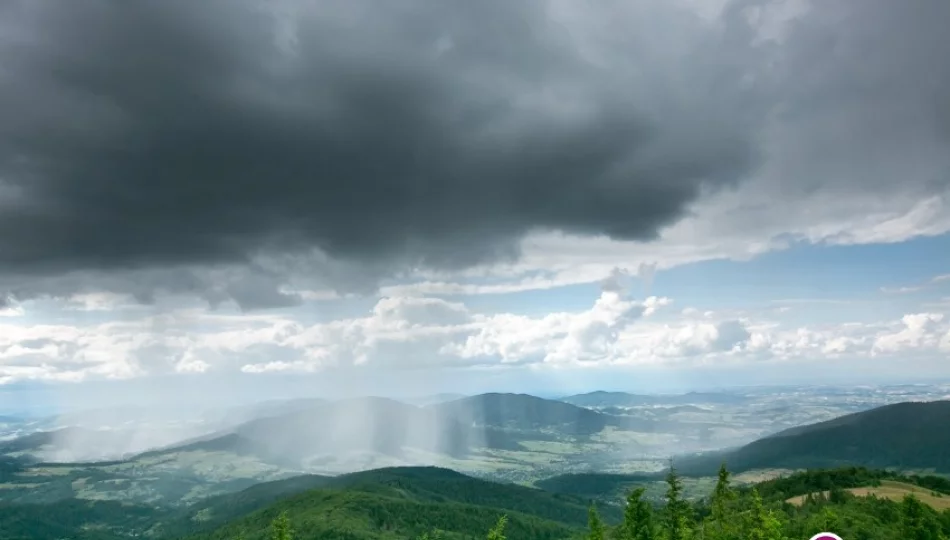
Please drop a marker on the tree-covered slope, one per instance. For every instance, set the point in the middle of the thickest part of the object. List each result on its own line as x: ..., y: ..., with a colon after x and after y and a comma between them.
x: 761, y: 512
x: 77, y: 520
x: 216, y: 511
x: 429, y: 485
x: 907, y: 436
x: 406, y: 502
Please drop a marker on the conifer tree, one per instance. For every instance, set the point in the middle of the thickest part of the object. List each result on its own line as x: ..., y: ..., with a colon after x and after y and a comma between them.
x: 722, y: 525
x: 761, y: 524
x: 280, y: 528
x: 637, y: 518
x: 498, y: 531
x: 677, y: 509
x: 594, y: 524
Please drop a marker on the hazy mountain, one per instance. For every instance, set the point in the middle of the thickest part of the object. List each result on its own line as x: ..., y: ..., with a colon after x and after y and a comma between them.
x: 385, y: 427
x: 81, y: 444
x: 903, y: 435
x: 270, y: 408
x: 522, y: 412
x: 623, y: 399
x: 72, y: 444
x: 434, y: 399
x: 343, y: 429
x: 515, y: 437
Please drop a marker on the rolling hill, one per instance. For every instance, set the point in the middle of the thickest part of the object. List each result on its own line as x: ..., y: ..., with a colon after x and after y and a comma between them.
x: 381, y: 503
x: 907, y: 436
x: 405, y: 502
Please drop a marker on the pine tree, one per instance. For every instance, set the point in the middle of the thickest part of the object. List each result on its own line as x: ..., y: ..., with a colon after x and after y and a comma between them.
x: 722, y: 525
x: 637, y: 518
x: 677, y: 509
x: 761, y: 524
x: 280, y: 528
x: 594, y: 524
x: 498, y: 531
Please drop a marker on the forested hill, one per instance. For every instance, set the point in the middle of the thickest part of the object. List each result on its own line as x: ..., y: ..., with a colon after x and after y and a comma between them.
x: 853, y: 502
x: 412, y: 502
x: 907, y: 436
x: 405, y: 502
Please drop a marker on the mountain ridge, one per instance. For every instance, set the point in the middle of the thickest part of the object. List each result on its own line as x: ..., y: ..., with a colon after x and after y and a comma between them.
x: 908, y: 435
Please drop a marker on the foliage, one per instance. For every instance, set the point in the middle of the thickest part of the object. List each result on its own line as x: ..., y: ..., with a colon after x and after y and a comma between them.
x: 594, y: 485
x: 638, y: 521
x: 720, y: 524
x: 761, y: 524
x: 437, y: 504
x: 280, y: 528
x: 677, y: 509
x: 498, y: 531
x: 595, y: 525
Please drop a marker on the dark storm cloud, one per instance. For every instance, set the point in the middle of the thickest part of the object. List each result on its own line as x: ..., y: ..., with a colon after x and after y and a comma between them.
x: 152, y: 138
x: 173, y: 132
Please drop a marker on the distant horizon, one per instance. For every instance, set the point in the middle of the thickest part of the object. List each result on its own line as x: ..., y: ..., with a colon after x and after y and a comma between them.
x: 41, y: 399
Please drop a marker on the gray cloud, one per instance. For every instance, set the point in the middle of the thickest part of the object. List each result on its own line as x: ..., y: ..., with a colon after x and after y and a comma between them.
x: 165, y: 133
x: 178, y: 138
x: 615, y: 281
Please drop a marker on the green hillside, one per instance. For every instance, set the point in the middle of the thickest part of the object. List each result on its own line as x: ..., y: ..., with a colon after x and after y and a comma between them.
x: 908, y: 436
x: 418, y: 484
x: 387, y: 513
x: 216, y: 511
x: 405, y: 503
x: 822, y: 500
x: 374, y: 502
x: 77, y: 519
x: 595, y: 485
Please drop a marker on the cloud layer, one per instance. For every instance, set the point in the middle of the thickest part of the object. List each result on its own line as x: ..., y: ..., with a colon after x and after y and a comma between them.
x: 402, y: 335
x: 163, y: 133
x: 175, y: 139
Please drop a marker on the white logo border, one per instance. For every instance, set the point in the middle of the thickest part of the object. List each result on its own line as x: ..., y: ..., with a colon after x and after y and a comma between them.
x: 825, y: 535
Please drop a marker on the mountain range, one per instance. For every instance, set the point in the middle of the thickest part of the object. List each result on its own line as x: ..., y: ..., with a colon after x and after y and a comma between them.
x: 298, y: 434
x: 908, y: 436
x: 230, y: 480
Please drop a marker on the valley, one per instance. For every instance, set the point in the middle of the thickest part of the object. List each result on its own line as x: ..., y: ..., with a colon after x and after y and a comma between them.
x: 512, y: 438
x: 370, y: 464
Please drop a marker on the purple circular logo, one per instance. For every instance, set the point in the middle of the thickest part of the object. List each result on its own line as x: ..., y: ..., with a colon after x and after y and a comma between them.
x: 825, y: 536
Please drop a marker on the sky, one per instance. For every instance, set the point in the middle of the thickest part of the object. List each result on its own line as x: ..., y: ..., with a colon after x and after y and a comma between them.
x: 231, y: 198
